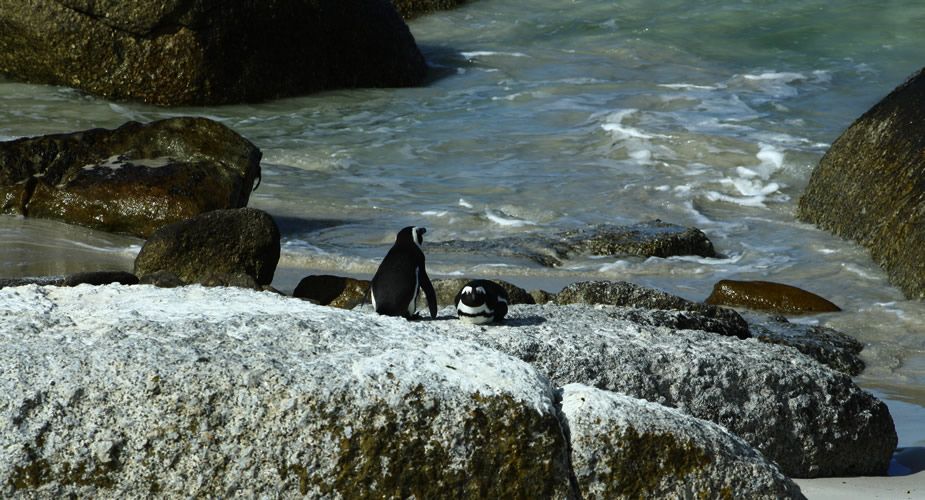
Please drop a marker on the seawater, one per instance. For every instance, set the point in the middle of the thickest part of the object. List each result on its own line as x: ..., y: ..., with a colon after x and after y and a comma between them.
x: 552, y: 115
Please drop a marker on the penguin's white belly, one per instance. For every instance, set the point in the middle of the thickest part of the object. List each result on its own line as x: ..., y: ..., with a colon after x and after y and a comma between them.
x: 476, y: 315
x: 413, y: 304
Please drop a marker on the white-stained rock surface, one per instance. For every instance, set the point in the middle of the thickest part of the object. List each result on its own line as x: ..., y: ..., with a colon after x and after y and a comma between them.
x: 623, y: 447
x: 119, y: 391
x: 138, y: 391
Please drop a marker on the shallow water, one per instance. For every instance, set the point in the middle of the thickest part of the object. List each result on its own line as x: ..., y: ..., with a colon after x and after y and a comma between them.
x: 711, y: 114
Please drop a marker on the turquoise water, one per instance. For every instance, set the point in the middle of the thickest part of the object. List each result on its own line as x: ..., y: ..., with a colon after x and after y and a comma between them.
x: 551, y: 115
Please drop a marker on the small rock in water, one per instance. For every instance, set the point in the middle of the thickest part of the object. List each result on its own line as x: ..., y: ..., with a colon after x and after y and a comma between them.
x: 768, y: 296
x: 221, y: 242
x: 334, y: 291
x: 101, y: 278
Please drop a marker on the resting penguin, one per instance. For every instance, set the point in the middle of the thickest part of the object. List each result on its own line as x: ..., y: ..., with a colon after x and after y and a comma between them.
x: 394, y: 289
x: 481, y: 301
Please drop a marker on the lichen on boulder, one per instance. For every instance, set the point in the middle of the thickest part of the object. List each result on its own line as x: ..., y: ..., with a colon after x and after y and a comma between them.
x: 231, y: 392
x: 623, y: 447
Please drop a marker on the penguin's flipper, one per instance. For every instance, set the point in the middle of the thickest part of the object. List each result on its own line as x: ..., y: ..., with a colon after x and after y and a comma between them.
x: 429, y: 293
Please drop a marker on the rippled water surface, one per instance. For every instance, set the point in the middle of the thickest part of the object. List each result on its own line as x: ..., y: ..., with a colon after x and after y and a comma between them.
x: 552, y: 115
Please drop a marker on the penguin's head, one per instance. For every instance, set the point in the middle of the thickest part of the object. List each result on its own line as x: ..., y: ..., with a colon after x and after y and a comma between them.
x: 411, y: 234
x: 472, y: 296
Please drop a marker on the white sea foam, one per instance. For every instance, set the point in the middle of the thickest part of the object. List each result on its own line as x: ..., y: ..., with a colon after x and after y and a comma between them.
x: 491, y: 53
x: 613, y: 123
x: 506, y: 220
x: 688, y: 86
x: 464, y: 203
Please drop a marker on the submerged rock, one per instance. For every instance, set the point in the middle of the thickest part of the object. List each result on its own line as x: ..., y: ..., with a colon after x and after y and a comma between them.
x: 178, y: 52
x: 214, y: 246
x: 334, y: 291
x: 624, y: 447
x: 811, y: 420
x: 133, y: 179
x: 659, y: 308
x: 768, y: 296
x: 868, y: 187
x: 228, y: 392
x: 645, y: 239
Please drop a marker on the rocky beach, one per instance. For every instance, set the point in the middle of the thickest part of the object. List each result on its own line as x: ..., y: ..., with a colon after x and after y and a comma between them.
x: 705, y: 222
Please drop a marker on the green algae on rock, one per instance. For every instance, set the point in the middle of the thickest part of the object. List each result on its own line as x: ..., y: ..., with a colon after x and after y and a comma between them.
x: 768, y: 296
x: 869, y: 186
x: 410, y: 9
x: 214, y: 248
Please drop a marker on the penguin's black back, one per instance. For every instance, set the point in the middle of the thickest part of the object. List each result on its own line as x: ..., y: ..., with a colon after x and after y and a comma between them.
x: 396, y: 283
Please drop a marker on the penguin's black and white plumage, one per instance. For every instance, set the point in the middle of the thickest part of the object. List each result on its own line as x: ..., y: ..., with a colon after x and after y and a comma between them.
x: 394, y: 289
x: 481, y: 301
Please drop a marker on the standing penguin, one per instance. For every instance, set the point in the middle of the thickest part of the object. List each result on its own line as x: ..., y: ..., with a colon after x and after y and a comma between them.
x: 401, y: 274
x: 481, y: 301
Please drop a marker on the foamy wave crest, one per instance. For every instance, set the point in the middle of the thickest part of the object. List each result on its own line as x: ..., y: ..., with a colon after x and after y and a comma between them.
x: 489, y: 53
x: 752, y: 186
x: 506, y: 220
x: 621, y: 131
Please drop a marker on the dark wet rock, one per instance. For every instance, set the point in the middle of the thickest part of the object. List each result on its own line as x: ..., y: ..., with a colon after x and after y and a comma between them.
x: 448, y: 288
x: 868, y: 187
x: 238, y: 279
x: 542, y: 296
x: 623, y: 447
x: 97, y: 278
x: 263, y: 397
x: 657, y: 308
x: 221, y: 242
x: 830, y: 347
x: 182, y: 52
x: 161, y: 279
x: 133, y: 179
x: 811, y: 420
x: 768, y: 296
x: 410, y: 9
x: 334, y: 291
x: 645, y: 239
x: 33, y: 280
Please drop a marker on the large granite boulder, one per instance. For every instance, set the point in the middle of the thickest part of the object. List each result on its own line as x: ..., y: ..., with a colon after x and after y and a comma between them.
x: 214, y: 248
x: 133, y: 179
x: 645, y: 239
x: 123, y: 392
x: 207, y: 52
x: 624, y: 447
x: 869, y: 185
x: 810, y: 420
